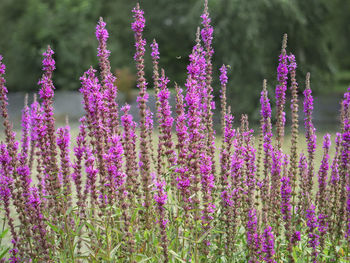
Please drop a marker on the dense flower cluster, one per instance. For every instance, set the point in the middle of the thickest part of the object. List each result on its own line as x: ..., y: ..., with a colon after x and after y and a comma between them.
x: 122, y: 190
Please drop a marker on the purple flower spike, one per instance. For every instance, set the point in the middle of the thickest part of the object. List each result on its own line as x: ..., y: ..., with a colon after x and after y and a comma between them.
x: 285, y: 198
x: 280, y: 92
x: 268, y: 245
x: 223, y: 75
x: 295, y: 237
x: 161, y: 198
x: 48, y: 61
x: 310, y: 133
x: 253, y: 237
x: 101, y: 31
x: 313, y: 236
x: 139, y: 21
x: 155, y: 51
x: 322, y: 174
x: 2, y: 66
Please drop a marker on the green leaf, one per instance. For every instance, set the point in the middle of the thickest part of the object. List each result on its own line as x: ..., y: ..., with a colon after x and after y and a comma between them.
x: 4, y: 252
x: 3, y: 233
x: 53, y: 227
x: 177, y: 256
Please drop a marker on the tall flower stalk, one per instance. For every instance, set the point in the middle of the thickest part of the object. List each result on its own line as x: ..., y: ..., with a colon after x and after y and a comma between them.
x: 310, y: 132
x: 267, y: 145
x: 138, y: 26
x: 207, y: 37
x: 295, y: 125
x: 282, y: 76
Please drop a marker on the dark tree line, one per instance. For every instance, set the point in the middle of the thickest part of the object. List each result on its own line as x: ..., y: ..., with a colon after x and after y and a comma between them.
x: 247, y: 36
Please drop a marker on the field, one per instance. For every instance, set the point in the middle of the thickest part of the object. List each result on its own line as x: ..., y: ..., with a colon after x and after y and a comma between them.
x: 168, y: 188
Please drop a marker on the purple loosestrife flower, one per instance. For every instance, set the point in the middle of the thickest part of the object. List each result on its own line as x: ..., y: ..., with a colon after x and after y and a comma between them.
x: 312, y: 234
x: 139, y: 21
x: 196, y: 78
x: 280, y: 93
x: 295, y: 237
x: 155, y: 60
x: 268, y: 244
x: 37, y: 221
x: 6, y: 181
x: 223, y: 82
x: 13, y: 252
x: 114, y: 160
x: 6, y: 186
x: 48, y: 62
x: 303, y: 173
x: 160, y: 196
x: 137, y: 26
x: 46, y: 94
x: 166, y: 120
x: 344, y: 162
x: 79, y: 151
x: 195, y: 85
x: 94, y: 106
x: 116, y: 185
x: 91, y: 172
x: 265, y: 111
x: 286, y: 208
x: 346, y: 106
x: 207, y: 31
x: 183, y: 179
x: 63, y: 142
x: 92, y: 100
x: 253, y: 236
x: 322, y: 196
x: 207, y: 37
x: 12, y: 145
x: 250, y: 167
x: 102, y: 36
x: 322, y: 174
x: 109, y: 89
x: 237, y: 162
x: 310, y: 131
x: 226, y: 152
x: 38, y: 145
x: 34, y: 117
x: 266, y: 128
x: 207, y: 181
x: 295, y: 125
x: 6, y: 189
x: 285, y: 199
x: 2, y: 66
x: 129, y: 145
x: 227, y: 197
x: 345, y: 167
x: 223, y: 75
x: 347, y: 235
x: 25, y: 132
x: 276, y: 168
x: 335, y: 163
x: 228, y: 132
x: 155, y: 51
x: 149, y: 132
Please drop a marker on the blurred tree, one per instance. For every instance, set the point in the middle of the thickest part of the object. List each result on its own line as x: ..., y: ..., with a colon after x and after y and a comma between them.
x: 247, y: 36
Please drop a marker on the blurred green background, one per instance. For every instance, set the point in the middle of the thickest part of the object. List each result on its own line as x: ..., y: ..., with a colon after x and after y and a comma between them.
x: 247, y: 36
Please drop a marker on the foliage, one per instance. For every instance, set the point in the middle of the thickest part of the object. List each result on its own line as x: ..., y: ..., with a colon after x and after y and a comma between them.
x: 121, y: 197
